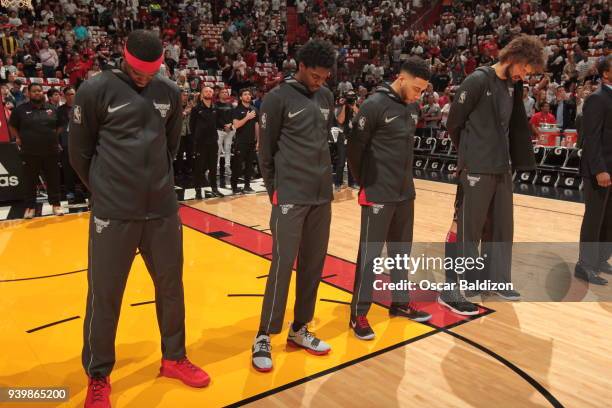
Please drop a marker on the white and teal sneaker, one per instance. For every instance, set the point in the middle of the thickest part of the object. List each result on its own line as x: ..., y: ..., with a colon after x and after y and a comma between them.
x: 262, y: 354
x: 307, y: 340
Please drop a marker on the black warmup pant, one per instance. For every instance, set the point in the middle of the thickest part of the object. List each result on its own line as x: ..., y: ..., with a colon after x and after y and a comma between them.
x: 486, y: 196
x: 242, y: 163
x: 47, y: 166
x: 339, y: 177
x: 112, y: 248
x: 450, y: 250
x: 205, y: 160
x: 391, y: 224
x: 300, y: 230
x: 596, y: 230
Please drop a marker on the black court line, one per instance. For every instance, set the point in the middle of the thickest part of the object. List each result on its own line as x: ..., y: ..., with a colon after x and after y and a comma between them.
x: 244, y: 295
x: 348, y: 363
x: 329, y: 276
x: 261, y: 277
x: 517, y: 205
x: 264, y: 230
x: 253, y: 226
x: 52, y: 324
x: 532, y: 381
x: 331, y: 370
x: 266, y: 254
x: 336, y: 301
x: 148, y: 302
x: 219, y: 234
x: 43, y: 277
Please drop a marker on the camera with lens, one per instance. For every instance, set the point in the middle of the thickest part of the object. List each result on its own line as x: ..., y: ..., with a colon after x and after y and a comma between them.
x: 350, y: 98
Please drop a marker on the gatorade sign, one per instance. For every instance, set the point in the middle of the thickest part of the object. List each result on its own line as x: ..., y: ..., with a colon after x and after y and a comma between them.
x: 10, y: 173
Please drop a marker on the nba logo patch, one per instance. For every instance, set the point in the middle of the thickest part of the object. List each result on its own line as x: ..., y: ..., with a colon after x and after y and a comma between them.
x: 415, y: 117
x: 76, y: 114
x: 462, y: 97
x: 377, y: 207
x: 285, y: 208
x: 263, y: 120
x: 325, y: 113
x: 362, y: 123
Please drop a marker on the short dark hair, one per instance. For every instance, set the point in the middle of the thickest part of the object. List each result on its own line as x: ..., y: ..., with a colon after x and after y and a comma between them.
x: 317, y: 53
x: 243, y: 90
x: 603, y: 65
x: 52, y: 92
x: 417, y: 67
x: 68, y: 89
x: 32, y: 85
x: 145, y: 45
x: 525, y: 49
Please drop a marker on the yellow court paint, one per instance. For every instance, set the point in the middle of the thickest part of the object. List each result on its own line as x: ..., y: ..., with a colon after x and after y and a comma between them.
x: 220, y: 329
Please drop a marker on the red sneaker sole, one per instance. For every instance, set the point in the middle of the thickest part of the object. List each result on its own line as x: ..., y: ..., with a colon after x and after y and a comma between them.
x: 315, y: 353
x: 202, y: 384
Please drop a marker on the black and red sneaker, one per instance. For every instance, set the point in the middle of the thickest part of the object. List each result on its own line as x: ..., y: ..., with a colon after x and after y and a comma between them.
x: 98, y: 393
x: 361, y: 328
x: 409, y: 311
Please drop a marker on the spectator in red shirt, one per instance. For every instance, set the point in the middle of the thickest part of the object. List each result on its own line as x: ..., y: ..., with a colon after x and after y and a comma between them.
x: 544, y: 116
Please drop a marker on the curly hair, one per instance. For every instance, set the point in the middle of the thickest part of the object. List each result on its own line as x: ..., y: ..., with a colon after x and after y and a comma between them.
x: 317, y: 53
x: 525, y: 49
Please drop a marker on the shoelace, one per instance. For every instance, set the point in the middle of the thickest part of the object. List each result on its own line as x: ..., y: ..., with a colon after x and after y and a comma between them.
x: 185, y: 362
x: 307, y: 335
x: 98, y: 385
x: 264, y: 345
x: 362, y: 322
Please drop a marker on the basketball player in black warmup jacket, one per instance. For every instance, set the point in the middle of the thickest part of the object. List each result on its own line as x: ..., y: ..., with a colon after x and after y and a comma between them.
x: 124, y: 134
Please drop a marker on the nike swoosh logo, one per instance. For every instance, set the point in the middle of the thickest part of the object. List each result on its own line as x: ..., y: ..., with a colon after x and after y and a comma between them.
x: 116, y: 108
x: 353, y: 325
x: 488, y: 93
x: 389, y: 120
x: 293, y: 115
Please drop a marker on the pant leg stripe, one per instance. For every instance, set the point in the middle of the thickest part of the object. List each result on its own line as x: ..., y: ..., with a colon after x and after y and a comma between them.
x: 91, y: 354
x: 363, y: 263
x: 278, y: 261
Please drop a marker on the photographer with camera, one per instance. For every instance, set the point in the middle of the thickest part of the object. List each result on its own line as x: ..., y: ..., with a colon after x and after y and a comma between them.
x: 345, y: 111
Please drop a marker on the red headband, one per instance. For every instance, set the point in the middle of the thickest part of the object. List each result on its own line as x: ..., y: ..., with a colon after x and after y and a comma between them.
x: 140, y: 65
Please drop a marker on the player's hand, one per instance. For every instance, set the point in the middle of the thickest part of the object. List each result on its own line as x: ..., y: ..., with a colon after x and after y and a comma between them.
x: 603, y: 179
x: 18, y: 142
x: 251, y: 115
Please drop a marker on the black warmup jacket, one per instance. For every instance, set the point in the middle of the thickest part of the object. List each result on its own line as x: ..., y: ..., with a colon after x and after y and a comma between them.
x: 380, y: 148
x: 596, y: 133
x: 294, y: 157
x: 122, y: 143
x: 474, y: 126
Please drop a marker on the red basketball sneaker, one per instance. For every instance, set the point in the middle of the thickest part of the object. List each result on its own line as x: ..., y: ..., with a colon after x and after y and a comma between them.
x: 185, y: 371
x: 98, y: 393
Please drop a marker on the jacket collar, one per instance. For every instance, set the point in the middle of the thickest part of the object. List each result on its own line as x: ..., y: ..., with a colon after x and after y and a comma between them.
x: 386, y: 89
x: 297, y: 85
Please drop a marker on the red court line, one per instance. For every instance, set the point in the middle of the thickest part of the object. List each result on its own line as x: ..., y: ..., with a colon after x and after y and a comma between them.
x: 260, y: 244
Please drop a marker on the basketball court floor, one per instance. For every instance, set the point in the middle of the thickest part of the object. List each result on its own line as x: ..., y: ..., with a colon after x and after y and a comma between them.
x: 525, y: 354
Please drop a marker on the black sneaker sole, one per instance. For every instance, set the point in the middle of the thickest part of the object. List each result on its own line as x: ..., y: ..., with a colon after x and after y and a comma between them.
x: 407, y: 316
x: 367, y: 337
x: 452, y: 309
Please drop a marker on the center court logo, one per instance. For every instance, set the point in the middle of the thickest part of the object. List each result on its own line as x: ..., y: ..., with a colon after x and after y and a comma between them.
x: 7, y: 180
